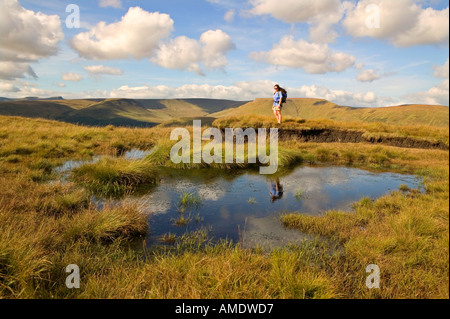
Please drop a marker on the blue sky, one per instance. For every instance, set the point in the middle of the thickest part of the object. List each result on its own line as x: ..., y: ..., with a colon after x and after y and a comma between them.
x: 238, y: 50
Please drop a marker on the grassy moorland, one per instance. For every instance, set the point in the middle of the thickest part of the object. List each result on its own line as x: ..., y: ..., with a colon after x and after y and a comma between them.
x: 376, y: 130
x: 46, y: 225
x: 148, y: 113
x: 314, y: 109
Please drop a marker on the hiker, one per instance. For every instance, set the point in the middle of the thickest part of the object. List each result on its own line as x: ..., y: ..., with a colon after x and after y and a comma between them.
x: 279, y: 97
x: 276, y: 190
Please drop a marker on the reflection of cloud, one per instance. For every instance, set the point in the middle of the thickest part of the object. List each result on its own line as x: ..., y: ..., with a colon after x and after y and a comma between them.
x: 269, y: 232
x: 212, y: 192
x: 160, y: 201
x: 183, y: 186
x: 156, y: 203
x: 312, y: 180
x: 315, y: 204
x: 337, y: 175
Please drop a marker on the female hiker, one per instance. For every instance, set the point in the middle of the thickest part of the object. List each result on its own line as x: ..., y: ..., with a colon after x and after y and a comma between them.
x: 276, y: 190
x: 278, y: 98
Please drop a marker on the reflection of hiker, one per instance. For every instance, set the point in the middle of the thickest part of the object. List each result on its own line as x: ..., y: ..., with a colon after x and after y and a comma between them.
x: 276, y: 190
x: 279, y: 97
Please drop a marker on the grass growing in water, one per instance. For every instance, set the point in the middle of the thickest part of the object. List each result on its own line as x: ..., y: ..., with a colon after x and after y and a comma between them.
x: 182, y: 220
x: 189, y: 201
x: 169, y: 238
x: 299, y: 194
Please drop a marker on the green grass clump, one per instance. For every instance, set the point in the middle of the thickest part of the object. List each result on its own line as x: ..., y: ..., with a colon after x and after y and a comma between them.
x: 299, y: 194
x: 189, y: 201
x: 114, y: 176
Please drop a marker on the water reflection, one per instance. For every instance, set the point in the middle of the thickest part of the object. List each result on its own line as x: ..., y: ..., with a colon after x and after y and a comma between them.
x: 276, y: 190
x: 227, y: 209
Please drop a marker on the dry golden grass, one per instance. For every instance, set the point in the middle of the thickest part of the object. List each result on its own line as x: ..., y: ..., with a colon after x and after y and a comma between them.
x: 315, y: 109
x: 375, y: 130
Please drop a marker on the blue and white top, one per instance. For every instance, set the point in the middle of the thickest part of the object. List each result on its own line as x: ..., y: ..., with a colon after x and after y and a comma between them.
x: 277, y: 97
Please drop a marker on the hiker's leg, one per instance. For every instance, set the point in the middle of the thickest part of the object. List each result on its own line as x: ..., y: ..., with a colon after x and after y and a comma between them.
x: 279, y: 118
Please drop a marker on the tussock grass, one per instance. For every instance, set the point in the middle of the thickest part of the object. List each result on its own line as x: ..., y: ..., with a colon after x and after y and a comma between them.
x: 113, y: 176
x: 161, y: 157
x: 31, y: 245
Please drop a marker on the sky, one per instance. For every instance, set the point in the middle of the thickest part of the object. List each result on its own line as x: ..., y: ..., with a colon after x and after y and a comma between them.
x: 366, y: 53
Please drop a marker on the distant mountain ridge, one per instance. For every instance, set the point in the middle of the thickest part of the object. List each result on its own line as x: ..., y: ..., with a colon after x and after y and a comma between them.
x: 119, y: 112
x: 152, y: 112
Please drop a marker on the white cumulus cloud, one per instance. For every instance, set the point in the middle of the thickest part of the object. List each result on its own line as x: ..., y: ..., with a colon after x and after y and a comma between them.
x: 320, y: 15
x: 314, y: 58
x: 180, y: 53
x: 8, y: 87
x: 137, y: 35
x: 247, y: 91
x: 368, y: 75
x: 437, y: 95
x: 184, y: 53
x: 13, y: 70
x: 26, y: 36
x: 215, y: 45
x: 341, y: 97
x: 403, y: 22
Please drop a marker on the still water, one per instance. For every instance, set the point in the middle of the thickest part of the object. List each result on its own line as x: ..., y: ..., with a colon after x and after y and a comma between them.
x: 246, y: 206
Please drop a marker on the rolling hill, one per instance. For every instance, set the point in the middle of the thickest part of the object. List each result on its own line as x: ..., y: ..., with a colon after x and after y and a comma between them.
x: 119, y: 112
x: 434, y: 115
x: 151, y: 112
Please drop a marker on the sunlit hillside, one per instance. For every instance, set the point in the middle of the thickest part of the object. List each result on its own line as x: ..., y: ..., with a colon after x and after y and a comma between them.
x: 434, y: 115
x: 145, y: 113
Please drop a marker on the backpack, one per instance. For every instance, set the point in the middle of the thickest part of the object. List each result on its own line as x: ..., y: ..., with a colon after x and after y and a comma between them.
x: 285, y: 96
